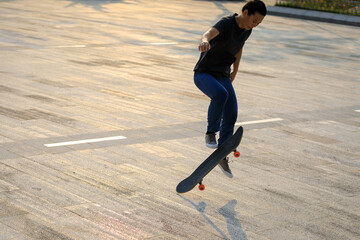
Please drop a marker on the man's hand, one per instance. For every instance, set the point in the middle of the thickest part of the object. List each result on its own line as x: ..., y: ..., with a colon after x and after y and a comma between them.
x: 206, y: 38
x: 204, y: 46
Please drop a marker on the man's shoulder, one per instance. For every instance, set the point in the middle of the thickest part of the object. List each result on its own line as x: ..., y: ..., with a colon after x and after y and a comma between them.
x: 225, y: 22
x: 229, y: 18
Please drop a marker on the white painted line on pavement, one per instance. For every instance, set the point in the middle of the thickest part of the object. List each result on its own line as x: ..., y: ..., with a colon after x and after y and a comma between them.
x: 71, y: 46
x: 357, y: 110
x: 259, y: 121
x: 85, y: 141
x: 164, y: 43
x: 122, y: 137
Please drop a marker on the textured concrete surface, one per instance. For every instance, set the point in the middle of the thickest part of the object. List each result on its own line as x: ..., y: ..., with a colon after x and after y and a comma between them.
x: 79, y: 70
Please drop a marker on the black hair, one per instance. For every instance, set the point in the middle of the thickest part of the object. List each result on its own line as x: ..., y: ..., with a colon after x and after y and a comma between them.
x: 254, y: 6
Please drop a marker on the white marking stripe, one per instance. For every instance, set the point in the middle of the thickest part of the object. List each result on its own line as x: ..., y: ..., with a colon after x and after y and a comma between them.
x: 357, y: 110
x: 85, y: 141
x: 259, y: 121
x: 70, y: 46
x: 165, y: 43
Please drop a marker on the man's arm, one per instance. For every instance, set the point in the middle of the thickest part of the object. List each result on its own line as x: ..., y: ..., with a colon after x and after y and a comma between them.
x: 206, y: 38
x: 236, y: 66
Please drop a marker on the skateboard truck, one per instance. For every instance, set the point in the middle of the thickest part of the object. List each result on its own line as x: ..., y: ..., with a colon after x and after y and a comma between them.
x: 201, y: 186
x: 236, y: 153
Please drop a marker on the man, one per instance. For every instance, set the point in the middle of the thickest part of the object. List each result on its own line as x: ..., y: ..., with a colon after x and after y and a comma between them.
x: 221, y: 48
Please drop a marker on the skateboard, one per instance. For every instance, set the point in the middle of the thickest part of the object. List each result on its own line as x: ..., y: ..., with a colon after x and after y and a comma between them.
x: 205, y: 167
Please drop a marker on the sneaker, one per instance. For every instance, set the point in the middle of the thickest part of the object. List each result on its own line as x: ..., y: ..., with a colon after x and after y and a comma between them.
x: 210, y: 140
x: 224, y: 165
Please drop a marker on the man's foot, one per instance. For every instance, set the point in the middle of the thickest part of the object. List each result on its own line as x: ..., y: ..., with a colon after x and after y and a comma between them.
x: 210, y: 140
x: 224, y: 165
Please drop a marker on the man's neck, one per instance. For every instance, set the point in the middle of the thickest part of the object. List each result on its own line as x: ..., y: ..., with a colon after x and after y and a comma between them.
x: 239, y: 19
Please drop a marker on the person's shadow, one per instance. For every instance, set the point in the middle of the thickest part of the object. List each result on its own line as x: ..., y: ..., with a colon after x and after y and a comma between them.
x: 233, y: 224
x: 95, y: 4
x: 228, y: 211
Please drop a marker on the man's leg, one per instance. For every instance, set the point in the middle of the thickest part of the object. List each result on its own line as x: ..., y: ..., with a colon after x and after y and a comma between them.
x: 228, y: 121
x: 218, y: 95
x: 230, y: 112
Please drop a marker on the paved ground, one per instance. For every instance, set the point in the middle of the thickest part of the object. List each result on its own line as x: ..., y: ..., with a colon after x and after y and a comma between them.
x: 78, y: 70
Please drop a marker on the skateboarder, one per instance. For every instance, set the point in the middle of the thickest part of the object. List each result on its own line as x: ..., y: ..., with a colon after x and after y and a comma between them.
x: 221, y: 48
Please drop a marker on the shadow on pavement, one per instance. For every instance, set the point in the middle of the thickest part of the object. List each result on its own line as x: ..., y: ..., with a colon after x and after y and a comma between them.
x: 233, y: 224
x: 95, y: 4
x: 228, y: 211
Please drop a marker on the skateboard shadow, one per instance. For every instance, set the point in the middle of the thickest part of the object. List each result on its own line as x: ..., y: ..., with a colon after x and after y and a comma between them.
x: 228, y: 211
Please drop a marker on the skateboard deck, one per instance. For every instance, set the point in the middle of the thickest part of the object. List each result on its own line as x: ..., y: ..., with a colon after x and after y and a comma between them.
x: 205, y: 167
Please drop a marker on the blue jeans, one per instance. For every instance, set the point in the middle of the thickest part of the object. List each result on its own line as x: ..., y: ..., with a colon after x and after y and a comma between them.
x: 222, y: 112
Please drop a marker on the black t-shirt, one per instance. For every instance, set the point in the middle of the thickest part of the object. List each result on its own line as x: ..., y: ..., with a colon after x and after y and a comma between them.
x: 224, y: 47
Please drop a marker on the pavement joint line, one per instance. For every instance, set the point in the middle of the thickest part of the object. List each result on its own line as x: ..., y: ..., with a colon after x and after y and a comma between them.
x: 259, y: 121
x: 85, y: 141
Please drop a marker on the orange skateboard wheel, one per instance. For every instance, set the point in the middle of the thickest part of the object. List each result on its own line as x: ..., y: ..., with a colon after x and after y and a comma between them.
x: 236, y: 154
x: 201, y: 187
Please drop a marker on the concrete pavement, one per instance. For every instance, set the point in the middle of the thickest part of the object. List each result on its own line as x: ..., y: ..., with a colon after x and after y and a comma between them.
x: 110, y: 84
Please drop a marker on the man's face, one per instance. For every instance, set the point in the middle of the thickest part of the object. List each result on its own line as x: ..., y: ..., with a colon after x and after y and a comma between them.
x: 251, y: 21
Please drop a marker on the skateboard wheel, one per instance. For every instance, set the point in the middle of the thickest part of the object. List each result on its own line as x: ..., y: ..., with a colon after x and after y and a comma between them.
x: 201, y: 187
x: 236, y: 154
